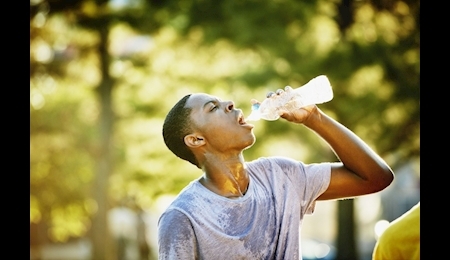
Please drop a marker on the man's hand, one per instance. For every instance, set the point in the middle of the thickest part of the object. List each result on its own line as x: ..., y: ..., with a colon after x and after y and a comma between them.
x: 300, y: 115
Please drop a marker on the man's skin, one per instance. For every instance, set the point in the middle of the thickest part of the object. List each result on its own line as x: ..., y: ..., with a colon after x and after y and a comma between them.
x: 220, y: 135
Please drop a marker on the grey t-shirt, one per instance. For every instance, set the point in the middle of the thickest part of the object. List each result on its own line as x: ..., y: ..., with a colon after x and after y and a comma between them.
x: 263, y: 224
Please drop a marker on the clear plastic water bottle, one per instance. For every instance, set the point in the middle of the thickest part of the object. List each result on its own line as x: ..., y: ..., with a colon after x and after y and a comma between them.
x: 316, y: 91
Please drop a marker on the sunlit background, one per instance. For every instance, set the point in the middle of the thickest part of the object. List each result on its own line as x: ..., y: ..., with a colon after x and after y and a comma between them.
x: 103, y: 75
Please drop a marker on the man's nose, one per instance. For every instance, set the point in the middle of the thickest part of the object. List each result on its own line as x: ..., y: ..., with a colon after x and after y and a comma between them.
x: 230, y: 105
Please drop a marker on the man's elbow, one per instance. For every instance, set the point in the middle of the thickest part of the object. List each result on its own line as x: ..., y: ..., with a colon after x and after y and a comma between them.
x: 385, y: 178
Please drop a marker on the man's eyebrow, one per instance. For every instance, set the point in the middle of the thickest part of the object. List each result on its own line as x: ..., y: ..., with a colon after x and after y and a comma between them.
x: 211, y: 101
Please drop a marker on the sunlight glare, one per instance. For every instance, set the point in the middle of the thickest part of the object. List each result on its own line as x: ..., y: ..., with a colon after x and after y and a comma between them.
x: 326, y: 34
x: 367, y: 80
x: 380, y: 226
x: 39, y: 20
x: 321, y: 250
x: 37, y: 100
x: 42, y: 51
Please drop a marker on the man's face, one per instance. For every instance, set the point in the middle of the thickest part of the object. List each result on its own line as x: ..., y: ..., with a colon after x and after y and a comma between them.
x: 220, y: 124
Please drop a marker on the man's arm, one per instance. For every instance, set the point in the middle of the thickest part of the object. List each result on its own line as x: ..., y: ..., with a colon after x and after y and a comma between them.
x: 361, y: 171
x: 176, y: 237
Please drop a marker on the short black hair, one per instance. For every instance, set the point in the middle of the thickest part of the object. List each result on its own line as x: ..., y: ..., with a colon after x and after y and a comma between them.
x: 176, y: 126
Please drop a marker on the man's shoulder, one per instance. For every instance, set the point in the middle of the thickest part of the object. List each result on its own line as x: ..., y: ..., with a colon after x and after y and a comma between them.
x: 270, y: 160
x: 185, y: 194
x: 273, y: 164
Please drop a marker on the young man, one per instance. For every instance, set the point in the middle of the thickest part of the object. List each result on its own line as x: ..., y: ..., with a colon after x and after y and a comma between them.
x: 254, y: 210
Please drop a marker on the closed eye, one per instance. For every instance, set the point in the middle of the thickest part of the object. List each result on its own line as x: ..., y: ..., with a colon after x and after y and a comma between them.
x: 212, y: 105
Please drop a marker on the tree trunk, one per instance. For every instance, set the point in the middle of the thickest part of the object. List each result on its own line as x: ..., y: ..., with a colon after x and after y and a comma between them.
x: 346, y: 242
x: 102, y: 246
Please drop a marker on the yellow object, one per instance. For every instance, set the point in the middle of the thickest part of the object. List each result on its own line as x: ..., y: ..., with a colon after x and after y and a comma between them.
x: 401, y: 239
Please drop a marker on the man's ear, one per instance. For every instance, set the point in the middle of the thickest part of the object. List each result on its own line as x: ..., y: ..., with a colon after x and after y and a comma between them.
x: 194, y: 140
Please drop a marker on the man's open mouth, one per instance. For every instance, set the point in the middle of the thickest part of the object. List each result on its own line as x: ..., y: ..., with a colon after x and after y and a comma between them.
x: 241, y: 119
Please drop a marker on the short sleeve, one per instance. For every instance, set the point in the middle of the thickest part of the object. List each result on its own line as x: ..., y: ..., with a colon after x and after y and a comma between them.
x: 317, y: 181
x: 308, y: 180
x: 176, y: 237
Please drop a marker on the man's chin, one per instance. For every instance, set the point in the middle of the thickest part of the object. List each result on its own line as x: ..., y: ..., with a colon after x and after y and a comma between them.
x: 251, y: 143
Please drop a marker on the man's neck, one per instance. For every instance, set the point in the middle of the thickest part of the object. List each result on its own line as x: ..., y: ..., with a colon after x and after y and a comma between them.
x: 227, y: 178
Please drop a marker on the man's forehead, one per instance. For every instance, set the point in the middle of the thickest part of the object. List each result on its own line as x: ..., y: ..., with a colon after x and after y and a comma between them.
x: 200, y: 99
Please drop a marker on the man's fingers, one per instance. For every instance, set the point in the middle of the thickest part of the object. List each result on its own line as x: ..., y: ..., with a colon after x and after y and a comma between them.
x: 254, y: 101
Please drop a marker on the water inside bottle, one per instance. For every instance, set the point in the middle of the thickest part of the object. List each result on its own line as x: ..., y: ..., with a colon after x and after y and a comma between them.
x: 317, y: 91
x: 255, y: 115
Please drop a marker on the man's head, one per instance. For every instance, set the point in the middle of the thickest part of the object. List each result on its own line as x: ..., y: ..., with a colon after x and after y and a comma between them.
x: 203, y: 124
x: 176, y: 126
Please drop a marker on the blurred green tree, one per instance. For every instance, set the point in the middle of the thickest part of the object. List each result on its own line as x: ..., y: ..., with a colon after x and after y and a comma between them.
x: 96, y: 109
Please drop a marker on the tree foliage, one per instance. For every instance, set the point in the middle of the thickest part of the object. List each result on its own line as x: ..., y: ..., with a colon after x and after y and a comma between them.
x: 161, y: 50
